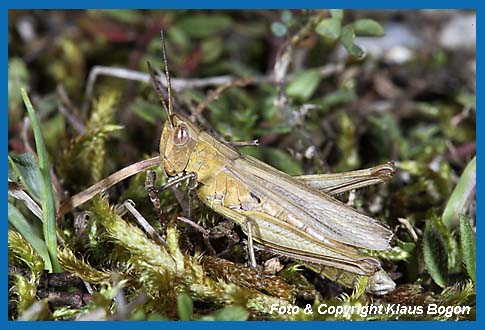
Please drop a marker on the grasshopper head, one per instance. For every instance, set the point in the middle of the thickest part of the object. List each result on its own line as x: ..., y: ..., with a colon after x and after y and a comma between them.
x: 178, y: 141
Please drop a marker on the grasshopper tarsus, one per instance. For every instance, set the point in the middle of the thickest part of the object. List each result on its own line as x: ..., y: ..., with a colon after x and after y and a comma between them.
x: 192, y: 181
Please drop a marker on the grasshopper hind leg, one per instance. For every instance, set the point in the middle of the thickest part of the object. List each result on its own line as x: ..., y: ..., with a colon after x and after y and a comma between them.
x: 380, y: 283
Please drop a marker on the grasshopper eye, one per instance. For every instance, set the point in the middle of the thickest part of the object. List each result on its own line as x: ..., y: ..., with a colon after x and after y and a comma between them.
x: 181, y: 135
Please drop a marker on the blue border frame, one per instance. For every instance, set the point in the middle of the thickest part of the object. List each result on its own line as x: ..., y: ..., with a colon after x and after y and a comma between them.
x: 238, y: 4
x: 248, y: 4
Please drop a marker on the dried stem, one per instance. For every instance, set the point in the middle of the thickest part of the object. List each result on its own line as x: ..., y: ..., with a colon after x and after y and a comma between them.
x: 130, y: 207
x: 285, y: 56
x: 70, y: 111
x: 182, y: 84
x: 215, y: 94
x: 106, y: 183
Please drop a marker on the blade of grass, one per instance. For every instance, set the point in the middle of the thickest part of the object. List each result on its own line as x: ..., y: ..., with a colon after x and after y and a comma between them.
x: 468, y: 246
x: 435, y: 254
x: 48, y: 204
x: 460, y: 196
x: 27, y: 169
x: 185, y: 306
x: 16, y: 191
x: 17, y: 220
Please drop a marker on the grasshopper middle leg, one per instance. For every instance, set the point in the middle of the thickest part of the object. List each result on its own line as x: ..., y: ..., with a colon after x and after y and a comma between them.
x: 224, y: 229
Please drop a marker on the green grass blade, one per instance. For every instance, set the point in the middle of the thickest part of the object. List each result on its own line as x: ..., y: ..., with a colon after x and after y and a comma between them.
x: 435, y: 253
x: 17, y: 220
x: 468, y: 246
x: 26, y: 167
x: 48, y: 204
x: 185, y: 306
x: 231, y: 313
x: 460, y: 196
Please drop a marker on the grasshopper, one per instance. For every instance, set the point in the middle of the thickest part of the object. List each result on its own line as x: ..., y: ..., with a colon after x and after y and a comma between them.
x: 295, y: 217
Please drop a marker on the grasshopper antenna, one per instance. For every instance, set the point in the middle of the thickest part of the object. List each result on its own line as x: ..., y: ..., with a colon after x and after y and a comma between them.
x: 156, y: 83
x: 167, y: 75
x: 158, y: 88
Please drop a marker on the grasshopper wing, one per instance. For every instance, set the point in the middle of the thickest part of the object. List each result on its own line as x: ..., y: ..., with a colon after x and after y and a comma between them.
x: 321, y: 215
x: 283, y: 239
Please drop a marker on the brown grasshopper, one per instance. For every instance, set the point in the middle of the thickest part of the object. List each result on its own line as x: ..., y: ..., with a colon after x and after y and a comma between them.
x: 295, y: 217
x: 292, y: 216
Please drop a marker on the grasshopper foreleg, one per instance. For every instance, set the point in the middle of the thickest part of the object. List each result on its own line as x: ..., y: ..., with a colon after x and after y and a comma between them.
x: 151, y: 176
x: 191, y: 185
x: 154, y: 191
